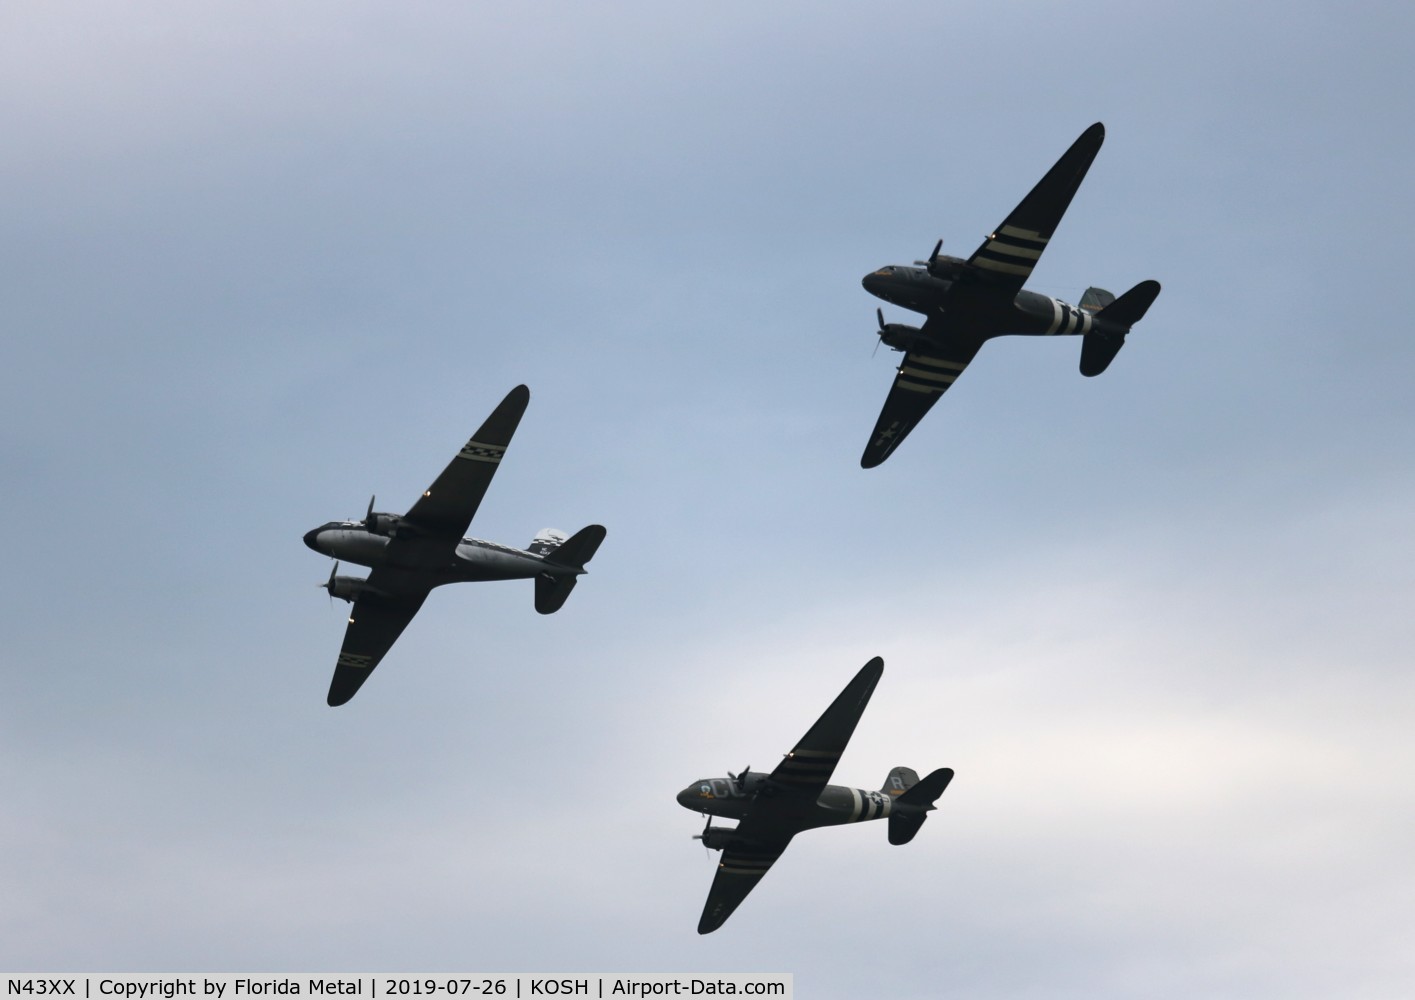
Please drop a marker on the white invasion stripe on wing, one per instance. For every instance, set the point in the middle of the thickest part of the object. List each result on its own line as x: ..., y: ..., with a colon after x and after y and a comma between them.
x: 924, y: 374
x: 1001, y: 267
x: 478, y: 452
x: 1030, y: 235
x: 1011, y: 250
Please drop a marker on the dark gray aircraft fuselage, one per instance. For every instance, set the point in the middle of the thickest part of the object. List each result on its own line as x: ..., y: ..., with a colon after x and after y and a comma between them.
x: 984, y: 316
x: 472, y: 560
x: 836, y: 805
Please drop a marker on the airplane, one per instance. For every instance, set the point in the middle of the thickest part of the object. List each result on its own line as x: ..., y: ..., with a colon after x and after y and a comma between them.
x: 773, y: 808
x: 967, y: 302
x: 424, y: 548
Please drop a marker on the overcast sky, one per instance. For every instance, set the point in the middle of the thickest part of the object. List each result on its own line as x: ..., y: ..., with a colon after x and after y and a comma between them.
x: 265, y: 259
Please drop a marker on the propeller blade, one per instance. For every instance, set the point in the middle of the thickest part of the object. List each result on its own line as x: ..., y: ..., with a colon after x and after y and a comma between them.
x: 879, y: 314
x: 937, y: 247
x: 328, y: 585
x: 368, y: 515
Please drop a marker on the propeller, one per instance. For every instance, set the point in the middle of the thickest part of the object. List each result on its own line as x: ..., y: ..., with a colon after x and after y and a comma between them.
x: 329, y: 584
x: 741, y: 779
x: 368, y: 515
x: 932, y: 257
x: 879, y: 314
x: 703, y: 837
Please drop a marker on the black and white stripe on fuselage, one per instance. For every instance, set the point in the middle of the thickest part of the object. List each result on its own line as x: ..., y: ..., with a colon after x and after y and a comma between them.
x: 868, y: 805
x: 1067, y: 319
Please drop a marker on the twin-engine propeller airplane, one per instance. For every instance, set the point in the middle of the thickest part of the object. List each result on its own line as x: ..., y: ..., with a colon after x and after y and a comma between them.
x: 773, y: 808
x: 966, y: 302
x: 424, y: 548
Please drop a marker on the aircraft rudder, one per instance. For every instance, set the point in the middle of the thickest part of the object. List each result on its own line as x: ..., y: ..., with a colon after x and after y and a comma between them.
x: 900, y: 780
x: 547, y: 540
x: 1095, y: 299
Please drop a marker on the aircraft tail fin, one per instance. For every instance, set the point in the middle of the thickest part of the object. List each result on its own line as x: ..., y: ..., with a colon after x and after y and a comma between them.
x: 547, y: 540
x: 1114, y: 320
x: 1095, y: 299
x: 900, y: 780
x: 912, y: 806
x: 566, y: 561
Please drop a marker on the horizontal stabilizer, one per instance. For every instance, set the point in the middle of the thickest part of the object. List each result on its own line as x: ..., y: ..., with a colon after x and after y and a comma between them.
x: 912, y: 807
x: 564, y: 563
x: 1105, y: 339
x: 1130, y: 308
x: 1098, y: 350
x: 551, y: 592
x: 578, y: 549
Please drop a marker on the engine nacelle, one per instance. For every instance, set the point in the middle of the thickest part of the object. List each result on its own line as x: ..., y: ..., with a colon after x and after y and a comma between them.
x: 386, y: 525
x: 718, y: 838
x: 946, y: 267
x: 900, y: 336
x: 348, y: 588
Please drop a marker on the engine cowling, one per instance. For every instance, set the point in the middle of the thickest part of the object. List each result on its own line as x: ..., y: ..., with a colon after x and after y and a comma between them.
x: 946, y: 267
x: 718, y: 838
x: 386, y: 525
x: 900, y: 336
x: 348, y: 588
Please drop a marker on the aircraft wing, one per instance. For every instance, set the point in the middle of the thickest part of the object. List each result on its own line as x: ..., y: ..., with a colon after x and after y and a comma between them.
x: 808, y: 767
x: 375, y: 623
x: 924, y: 376
x: 448, y: 505
x: 741, y: 868
x: 1010, y: 252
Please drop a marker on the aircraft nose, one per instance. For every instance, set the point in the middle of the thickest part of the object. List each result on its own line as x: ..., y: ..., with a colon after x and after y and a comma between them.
x: 312, y: 538
x: 688, y: 797
x: 872, y: 282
